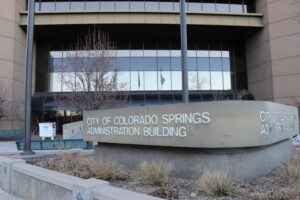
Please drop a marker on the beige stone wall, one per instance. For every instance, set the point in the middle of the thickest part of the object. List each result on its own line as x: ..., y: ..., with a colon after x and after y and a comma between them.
x: 12, y: 58
x: 273, y: 54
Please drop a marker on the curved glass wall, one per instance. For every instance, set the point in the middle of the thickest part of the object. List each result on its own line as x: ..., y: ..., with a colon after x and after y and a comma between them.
x: 233, y: 6
x: 151, y: 70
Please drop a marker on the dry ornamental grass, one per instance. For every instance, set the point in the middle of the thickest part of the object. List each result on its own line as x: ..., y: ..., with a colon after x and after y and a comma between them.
x: 156, y: 172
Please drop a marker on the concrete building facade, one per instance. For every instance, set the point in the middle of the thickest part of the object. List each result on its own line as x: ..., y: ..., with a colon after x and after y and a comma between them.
x: 234, y: 45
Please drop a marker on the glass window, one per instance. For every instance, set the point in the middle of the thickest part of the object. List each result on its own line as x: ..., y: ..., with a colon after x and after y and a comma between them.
x: 64, y: 5
x: 150, y: 53
x: 203, y: 64
x: 151, y: 5
x: 176, y: 6
x: 56, y: 64
x: 236, y: 6
x: 151, y: 80
x: 137, y: 5
x: 176, y: 80
x: 227, y: 80
x: 216, y: 64
x: 123, y: 81
x: 209, y: 6
x: 150, y: 64
x: 107, y: 5
x: 122, y: 5
x: 192, y: 53
x: 226, y: 64
x: 123, y: 53
x: 92, y: 5
x: 175, y: 63
x: 137, y: 80
x: 175, y: 53
x: 77, y: 5
x: 225, y: 54
x: 193, y: 80
x: 37, y: 6
x: 216, y: 81
x: 163, y: 53
x: 56, y: 54
x: 166, y: 5
x: 197, y: 7
x: 204, y: 80
x: 47, y: 6
x: 222, y: 7
x: 152, y: 100
x: 164, y: 63
x: 136, y: 53
x: 68, y: 81
x: 192, y: 64
x: 215, y: 53
x: 201, y: 53
x: 123, y: 64
x: 55, y: 82
x: 136, y: 63
x: 164, y: 80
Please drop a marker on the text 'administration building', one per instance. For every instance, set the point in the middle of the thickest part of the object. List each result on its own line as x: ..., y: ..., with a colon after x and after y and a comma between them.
x: 233, y: 45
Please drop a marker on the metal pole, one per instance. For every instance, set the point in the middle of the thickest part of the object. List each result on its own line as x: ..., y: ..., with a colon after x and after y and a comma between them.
x: 28, y: 89
x: 183, y: 38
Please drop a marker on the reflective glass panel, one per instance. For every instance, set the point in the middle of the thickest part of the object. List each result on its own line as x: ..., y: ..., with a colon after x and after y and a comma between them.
x: 107, y: 5
x: 136, y: 53
x: 37, y: 6
x: 176, y: 80
x: 136, y: 63
x: 226, y: 64
x: 77, y: 5
x: 192, y: 64
x: 164, y: 63
x: 227, y: 80
x: 163, y: 53
x: 193, y: 80
x: 164, y: 80
x: 209, y: 7
x: 47, y: 6
x: 150, y: 53
x: 137, y: 80
x: 175, y: 53
x: 237, y: 8
x: 92, y: 5
x: 192, y: 53
x: 197, y: 7
x: 203, y: 64
x: 175, y: 63
x: 151, y: 5
x: 150, y: 64
x: 201, y: 53
x: 63, y: 5
x: 216, y: 80
x: 122, y: 5
x: 222, y: 7
x: 55, y: 82
x: 137, y: 5
x: 123, y: 53
x: 68, y: 81
x: 204, y: 80
x: 123, y: 80
x: 166, y: 6
x: 123, y: 64
x: 151, y: 80
x: 176, y: 6
x: 215, y: 53
x: 216, y: 64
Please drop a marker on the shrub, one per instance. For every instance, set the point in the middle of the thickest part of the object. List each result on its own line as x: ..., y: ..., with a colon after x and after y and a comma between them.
x: 216, y: 183
x: 85, y: 167
x: 156, y: 172
x: 292, y: 169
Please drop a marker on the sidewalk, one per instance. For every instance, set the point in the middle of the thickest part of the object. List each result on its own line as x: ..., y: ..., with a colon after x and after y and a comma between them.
x: 8, y: 147
x: 5, y: 196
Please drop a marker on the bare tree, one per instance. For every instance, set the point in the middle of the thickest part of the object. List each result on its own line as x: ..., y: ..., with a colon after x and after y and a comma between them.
x: 89, y: 75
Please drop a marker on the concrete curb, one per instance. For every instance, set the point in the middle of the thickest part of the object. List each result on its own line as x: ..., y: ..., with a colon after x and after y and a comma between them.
x: 35, y: 183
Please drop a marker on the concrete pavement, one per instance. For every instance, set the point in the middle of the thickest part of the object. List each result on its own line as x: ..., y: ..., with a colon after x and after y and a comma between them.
x: 8, y: 147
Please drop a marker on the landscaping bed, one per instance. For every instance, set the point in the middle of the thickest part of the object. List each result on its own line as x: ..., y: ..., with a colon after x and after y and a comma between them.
x: 155, y: 178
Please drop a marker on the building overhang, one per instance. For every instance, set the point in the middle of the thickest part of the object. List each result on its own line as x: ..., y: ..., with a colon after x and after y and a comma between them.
x: 254, y: 20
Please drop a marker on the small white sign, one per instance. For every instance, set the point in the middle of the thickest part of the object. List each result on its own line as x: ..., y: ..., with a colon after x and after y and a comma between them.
x: 47, y: 130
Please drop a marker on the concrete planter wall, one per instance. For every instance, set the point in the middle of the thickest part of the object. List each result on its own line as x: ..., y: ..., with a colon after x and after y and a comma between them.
x: 35, y: 183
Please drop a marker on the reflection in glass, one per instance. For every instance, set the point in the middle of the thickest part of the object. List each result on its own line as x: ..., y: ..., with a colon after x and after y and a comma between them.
x: 122, y: 5
x: 63, y: 5
x: 192, y: 64
x: 227, y: 80
x: 197, y: 7
x: 209, y: 7
x: 137, y: 80
x: 92, y: 5
x: 216, y: 64
x: 203, y: 80
x: 149, y: 64
x: 68, y: 81
x: 216, y: 81
x: 136, y: 63
x: 164, y: 63
x: 166, y: 6
x: 123, y: 64
x: 176, y: 80
x: 151, y: 5
x: 137, y: 5
x: 123, y: 81
x: 47, y: 6
x: 150, y: 53
x: 222, y: 7
x: 237, y: 8
x: 164, y: 80
x: 226, y: 64
x: 151, y: 80
x: 193, y: 80
x: 107, y: 5
x: 55, y: 82
x: 203, y: 64
x: 77, y: 5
